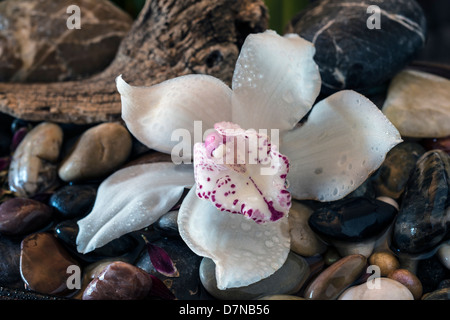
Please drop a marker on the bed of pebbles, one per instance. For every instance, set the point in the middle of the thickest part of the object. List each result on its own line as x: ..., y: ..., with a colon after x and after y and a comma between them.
x: 397, y: 221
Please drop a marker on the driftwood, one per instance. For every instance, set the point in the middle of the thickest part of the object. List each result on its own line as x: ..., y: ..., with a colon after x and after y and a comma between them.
x: 168, y: 39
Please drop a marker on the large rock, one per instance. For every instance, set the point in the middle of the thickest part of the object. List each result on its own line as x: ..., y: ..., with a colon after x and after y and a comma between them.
x: 37, y: 45
x: 349, y: 54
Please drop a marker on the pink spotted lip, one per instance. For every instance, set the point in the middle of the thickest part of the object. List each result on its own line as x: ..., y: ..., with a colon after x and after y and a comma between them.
x: 241, y: 172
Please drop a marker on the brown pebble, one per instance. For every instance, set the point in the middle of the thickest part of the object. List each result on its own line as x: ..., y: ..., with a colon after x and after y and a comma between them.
x: 119, y: 281
x: 44, y: 263
x: 409, y: 280
x: 331, y: 282
x: 386, y: 261
x: 21, y: 216
x: 98, y: 152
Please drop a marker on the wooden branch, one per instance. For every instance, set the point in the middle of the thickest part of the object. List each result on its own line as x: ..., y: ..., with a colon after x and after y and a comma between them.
x: 169, y: 38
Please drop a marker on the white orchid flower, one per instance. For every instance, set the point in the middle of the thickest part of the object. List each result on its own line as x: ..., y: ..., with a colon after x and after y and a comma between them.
x: 234, y: 214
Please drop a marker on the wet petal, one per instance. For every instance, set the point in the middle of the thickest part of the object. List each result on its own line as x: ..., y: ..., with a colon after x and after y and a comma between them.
x: 244, y: 252
x: 131, y: 199
x: 345, y: 138
x: 154, y: 114
x: 243, y: 174
x: 275, y: 82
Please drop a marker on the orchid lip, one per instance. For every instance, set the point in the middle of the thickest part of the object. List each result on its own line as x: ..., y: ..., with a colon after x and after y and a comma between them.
x: 229, y: 173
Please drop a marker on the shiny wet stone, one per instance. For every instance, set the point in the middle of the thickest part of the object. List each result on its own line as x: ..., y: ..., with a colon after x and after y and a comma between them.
x: 168, y: 224
x: 119, y: 281
x: 44, y: 263
x: 352, y: 220
x: 331, y: 282
x: 73, y: 201
x: 21, y: 216
x: 126, y: 247
x: 422, y: 221
x: 409, y: 280
x: 444, y: 254
x: 386, y: 261
x: 392, y: 176
x: 286, y: 280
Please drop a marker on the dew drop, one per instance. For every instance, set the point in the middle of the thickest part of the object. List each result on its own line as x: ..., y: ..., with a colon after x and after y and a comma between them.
x: 288, y: 97
x: 268, y: 243
x: 245, y: 226
x: 343, y: 159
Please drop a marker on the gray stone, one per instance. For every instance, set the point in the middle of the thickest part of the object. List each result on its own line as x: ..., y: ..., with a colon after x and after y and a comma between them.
x: 168, y: 224
x: 286, y: 280
x: 303, y: 240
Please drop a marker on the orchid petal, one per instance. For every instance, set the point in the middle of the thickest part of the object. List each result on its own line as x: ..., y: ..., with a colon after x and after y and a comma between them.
x: 275, y: 82
x: 345, y: 138
x: 244, y: 252
x: 243, y: 175
x: 153, y: 114
x: 131, y: 199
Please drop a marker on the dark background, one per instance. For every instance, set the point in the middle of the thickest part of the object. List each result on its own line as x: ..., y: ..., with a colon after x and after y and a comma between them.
x: 437, y: 48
